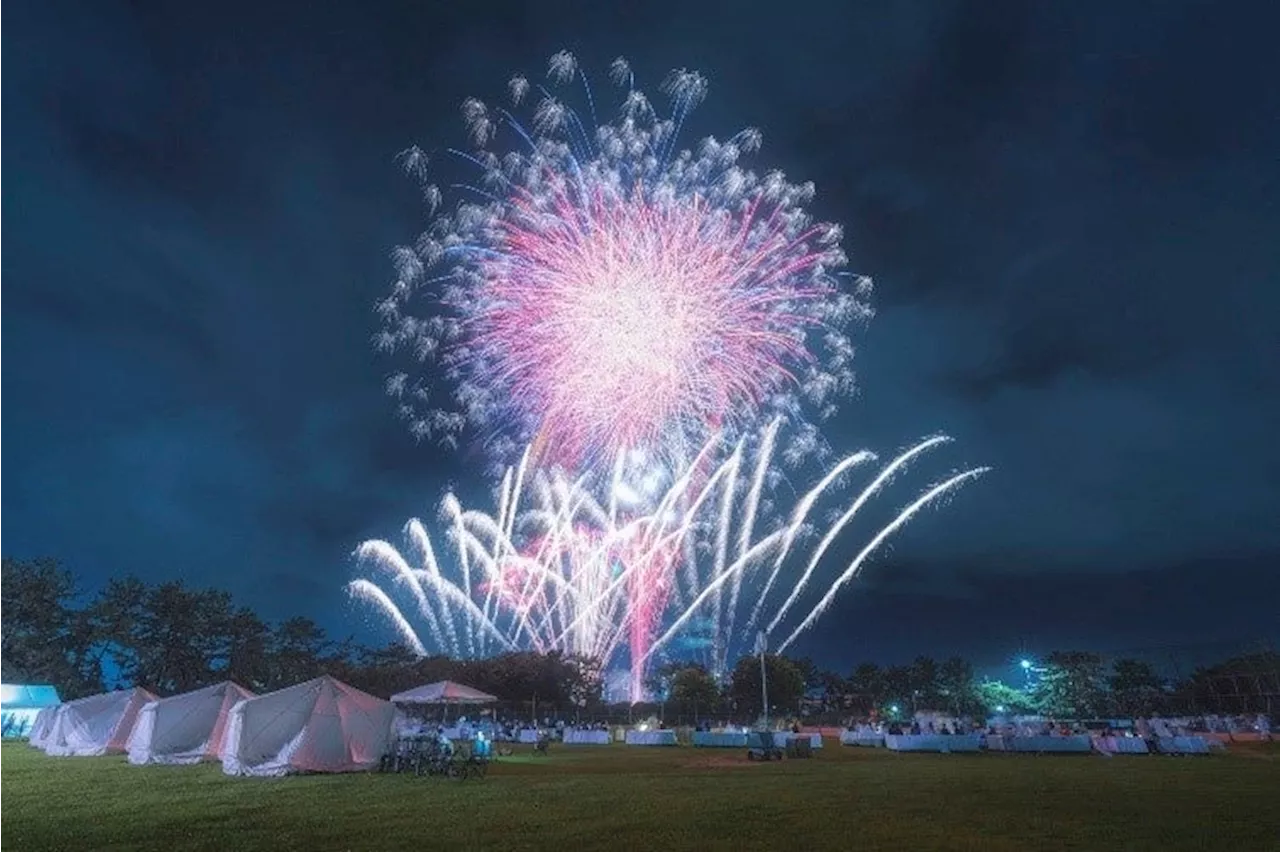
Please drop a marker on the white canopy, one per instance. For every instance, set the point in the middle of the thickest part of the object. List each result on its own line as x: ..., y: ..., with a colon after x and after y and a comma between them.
x: 322, y: 725
x: 99, y: 724
x: 21, y: 705
x: 444, y: 692
x: 185, y: 728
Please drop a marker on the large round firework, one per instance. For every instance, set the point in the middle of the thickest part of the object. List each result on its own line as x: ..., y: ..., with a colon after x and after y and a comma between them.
x: 600, y: 290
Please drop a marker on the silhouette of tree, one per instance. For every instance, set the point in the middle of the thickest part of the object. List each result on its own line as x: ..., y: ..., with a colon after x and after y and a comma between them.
x: 694, y: 690
x: 41, y: 633
x: 955, y: 683
x: 1136, y: 689
x: 785, y: 685
x: 1072, y: 684
x: 867, y: 688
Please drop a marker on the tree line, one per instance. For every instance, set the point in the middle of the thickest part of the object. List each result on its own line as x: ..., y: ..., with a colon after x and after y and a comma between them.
x: 171, y: 638
x: 1064, y: 685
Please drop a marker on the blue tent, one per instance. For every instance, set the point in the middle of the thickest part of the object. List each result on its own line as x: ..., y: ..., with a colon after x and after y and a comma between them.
x: 19, y: 704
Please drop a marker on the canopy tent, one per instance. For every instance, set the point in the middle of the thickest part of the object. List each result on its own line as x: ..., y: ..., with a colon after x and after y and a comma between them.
x: 444, y: 692
x: 99, y: 724
x: 322, y: 725
x: 21, y: 705
x: 185, y: 728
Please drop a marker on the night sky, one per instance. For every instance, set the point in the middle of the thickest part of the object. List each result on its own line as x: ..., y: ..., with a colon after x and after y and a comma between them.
x: 1070, y: 211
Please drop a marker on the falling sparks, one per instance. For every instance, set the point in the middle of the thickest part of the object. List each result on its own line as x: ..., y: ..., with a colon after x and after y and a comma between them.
x: 563, y: 569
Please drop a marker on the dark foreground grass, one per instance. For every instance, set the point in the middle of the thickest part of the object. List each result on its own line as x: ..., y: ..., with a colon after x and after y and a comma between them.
x: 661, y: 799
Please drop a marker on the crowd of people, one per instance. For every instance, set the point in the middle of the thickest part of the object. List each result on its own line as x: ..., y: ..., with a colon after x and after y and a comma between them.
x: 506, y: 729
x: 1150, y: 729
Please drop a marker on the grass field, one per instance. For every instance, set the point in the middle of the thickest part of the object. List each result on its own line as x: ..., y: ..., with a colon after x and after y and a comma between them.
x: 616, y: 797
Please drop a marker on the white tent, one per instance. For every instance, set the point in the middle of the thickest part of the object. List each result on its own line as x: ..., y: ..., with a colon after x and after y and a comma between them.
x: 322, y: 725
x: 185, y: 728
x: 43, y: 726
x: 443, y: 692
x: 99, y: 724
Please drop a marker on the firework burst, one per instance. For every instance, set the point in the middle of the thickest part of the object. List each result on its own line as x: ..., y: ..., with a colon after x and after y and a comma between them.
x: 599, y: 290
x: 623, y: 316
x: 564, y: 569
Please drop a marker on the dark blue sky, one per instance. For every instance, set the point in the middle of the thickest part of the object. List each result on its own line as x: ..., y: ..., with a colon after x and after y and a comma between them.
x: 1069, y: 210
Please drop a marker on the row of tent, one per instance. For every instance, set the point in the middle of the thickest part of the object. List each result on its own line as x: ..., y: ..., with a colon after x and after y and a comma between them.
x: 322, y: 725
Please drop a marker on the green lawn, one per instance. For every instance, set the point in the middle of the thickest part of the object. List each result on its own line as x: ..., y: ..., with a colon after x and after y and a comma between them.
x: 663, y: 799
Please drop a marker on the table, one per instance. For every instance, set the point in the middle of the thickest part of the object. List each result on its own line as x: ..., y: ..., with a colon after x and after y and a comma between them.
x: 1121, y: 745
x: 1182, y: 745
x: 781, y: 738
x: 933, y: 742
x: 868, y: 739
x: 651, y: 738
x: 583, y: 737
x: 1073, y: 744
x: 528, y: 735
x: 719, y: 739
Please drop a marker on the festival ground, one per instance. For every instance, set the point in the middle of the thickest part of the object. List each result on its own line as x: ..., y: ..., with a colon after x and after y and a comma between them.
x: 616, y: 797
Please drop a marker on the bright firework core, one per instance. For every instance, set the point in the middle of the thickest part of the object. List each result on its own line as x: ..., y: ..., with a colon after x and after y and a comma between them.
x: 616, y: 317
x: 599, y: 289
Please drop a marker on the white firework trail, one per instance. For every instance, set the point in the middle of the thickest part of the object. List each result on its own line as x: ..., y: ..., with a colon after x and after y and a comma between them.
x: 561, y: 567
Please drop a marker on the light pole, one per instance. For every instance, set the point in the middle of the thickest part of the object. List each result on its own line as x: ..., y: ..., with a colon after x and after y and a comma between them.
x: 762, y: 643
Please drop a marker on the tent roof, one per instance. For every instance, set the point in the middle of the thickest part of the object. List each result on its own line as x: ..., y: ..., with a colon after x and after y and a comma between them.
x: 117, y: 696
x: 444, y: 692
x: 219, y: 689
x: 319, y: 683
x: 18, y: 696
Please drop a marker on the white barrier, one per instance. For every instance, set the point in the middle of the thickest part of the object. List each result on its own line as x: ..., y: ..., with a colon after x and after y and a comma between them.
x: 651, y: 738
x: 1120, y: 745
x: 575, y: 737
x: 933, y: 742
x: 1182, y: 745
x: 781, y: 738
x: 1073, y: 744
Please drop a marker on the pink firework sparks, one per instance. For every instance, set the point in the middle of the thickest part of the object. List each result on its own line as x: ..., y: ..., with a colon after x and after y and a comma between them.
x: 613, y: 318
x: 649, y: 591
x: 563, y: 578
x: 599, y: 290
